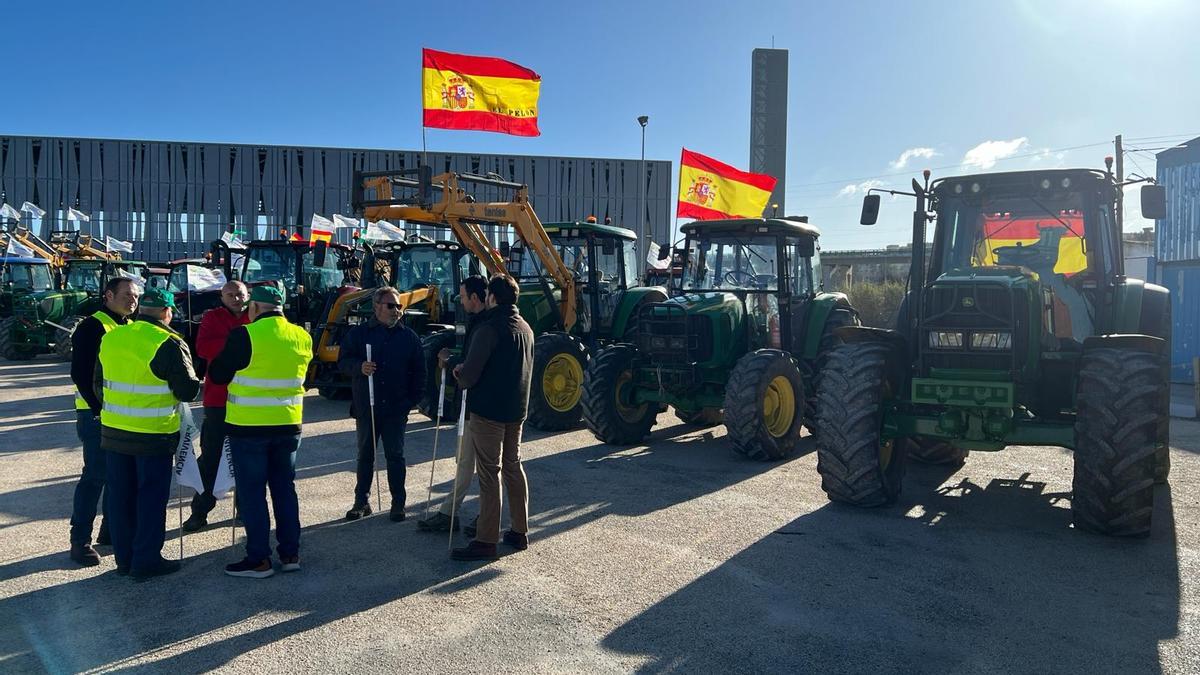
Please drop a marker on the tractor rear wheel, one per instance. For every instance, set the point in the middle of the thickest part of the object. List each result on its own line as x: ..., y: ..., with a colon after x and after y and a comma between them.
x: 1116, y: 426
x: 8, y: 347
x: 930, y: 451
x: 857, y: 464
x: 608, y: 407
x: 62, y: 338
x: 556, y: 384
x: 704, y: 417
x: 764, y: 405
x: 427, y: 406
x: 840, y: 316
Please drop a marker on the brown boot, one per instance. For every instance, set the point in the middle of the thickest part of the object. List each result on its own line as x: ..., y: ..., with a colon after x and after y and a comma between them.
x: 85, y: 555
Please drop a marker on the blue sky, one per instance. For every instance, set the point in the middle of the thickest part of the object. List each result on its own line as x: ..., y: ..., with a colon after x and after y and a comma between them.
x: 1012, y: 82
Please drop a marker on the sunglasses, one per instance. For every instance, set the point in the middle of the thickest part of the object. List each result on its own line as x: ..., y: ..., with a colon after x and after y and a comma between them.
x: 391, y: 305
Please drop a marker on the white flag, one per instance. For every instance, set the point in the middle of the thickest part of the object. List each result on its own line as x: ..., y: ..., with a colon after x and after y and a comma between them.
x: 652, y: 258
x: 225, y: 479
x: 383, y: 231
x: 321, y: 224
x: 135, y: 278
x: 72, y: 214
x: 232, y: 241
x: 7, y: 211
x: 203, y: 279
x: 117, y: 245
x: 187, y: 470
x: 343, y: 221
x: 32, y: 210
x: 18, y: 250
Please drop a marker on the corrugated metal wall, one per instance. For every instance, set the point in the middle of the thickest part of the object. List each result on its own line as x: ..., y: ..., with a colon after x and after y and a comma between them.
x: 172, y: 198
x: 1183, y: 280
x: 1178, y: 235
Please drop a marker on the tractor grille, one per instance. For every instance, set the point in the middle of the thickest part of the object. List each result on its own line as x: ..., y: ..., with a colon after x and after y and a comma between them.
x: 668, y: 334
x: 968, y: 308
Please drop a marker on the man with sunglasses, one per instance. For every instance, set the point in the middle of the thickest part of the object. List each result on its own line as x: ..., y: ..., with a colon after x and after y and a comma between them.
x: 398, y: 366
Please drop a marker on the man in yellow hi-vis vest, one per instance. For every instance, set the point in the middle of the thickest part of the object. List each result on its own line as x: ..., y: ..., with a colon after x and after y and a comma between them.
x: 120, y: 301
x: 144, y: 372
x: 264, y: 364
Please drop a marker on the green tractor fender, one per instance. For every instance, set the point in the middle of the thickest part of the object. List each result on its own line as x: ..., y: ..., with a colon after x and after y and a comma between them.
x: 818, y: 312
x: 633, y: 298
x: 1140, y: 308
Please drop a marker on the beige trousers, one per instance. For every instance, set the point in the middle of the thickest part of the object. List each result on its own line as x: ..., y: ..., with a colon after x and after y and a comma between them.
x: 497, y: 448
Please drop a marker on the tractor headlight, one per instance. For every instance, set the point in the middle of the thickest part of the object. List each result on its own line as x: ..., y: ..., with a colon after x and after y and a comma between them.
x: 678, y: 343
x: 939, y: 339
x: 991, y: 340
x: 658, y: 343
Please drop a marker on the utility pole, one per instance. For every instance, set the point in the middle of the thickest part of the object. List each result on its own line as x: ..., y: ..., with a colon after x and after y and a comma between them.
x: 642, y: 226
x: 1119, y: 156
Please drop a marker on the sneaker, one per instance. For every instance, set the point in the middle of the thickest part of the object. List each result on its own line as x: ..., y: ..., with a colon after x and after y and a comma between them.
x: 289, y: 563
x: 517, y: 540
x: 251, y: 569
x: 476, y: 550
x: 163, y: 567
x: 103, y: 538
x: 85, y: 555
x: 469, y: 530
x: 195, y: 522
x: 361, y: 510
x: 438, y: 522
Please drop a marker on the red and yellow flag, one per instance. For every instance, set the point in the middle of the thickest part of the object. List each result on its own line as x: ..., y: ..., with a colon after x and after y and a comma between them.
x: 712, y: 190
x: 1002, y: 229
x: 479, y: 93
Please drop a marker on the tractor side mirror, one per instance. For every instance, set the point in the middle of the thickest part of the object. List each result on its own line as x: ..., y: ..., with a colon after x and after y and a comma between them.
x: 664, y: 251
x: 505, y: 249
x: 319, y: 253
x: 1154, y: 202
x: 425, y: 185
x: 870, y: 210
x: 806, y: 247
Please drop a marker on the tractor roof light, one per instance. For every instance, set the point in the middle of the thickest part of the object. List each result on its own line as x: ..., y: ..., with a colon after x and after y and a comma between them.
x: 975, y: 188
x: 1066, y: 182
x: 1046, y: 183
x: 958, y: 188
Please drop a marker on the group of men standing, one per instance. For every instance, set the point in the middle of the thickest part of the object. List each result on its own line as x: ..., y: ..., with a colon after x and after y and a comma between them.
x: 133, y: 374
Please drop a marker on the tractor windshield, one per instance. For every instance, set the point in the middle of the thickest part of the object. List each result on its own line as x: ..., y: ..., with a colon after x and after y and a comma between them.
x: 572, y: 250
x: 1042, y: 234
x: 732, y: 263
x: 418, y: 266
x: 271, y: 263
x: 84, y: 276
x: 29, y: 277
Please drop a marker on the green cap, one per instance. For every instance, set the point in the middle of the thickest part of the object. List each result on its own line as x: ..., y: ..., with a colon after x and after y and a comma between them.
x: 158, y: 297
x: 268, y: 294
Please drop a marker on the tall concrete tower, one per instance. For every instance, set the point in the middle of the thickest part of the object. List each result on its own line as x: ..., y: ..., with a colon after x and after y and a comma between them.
x: 768, y: 118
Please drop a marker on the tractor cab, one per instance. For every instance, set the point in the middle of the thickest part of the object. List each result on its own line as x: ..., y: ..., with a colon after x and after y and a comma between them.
x: 311, y: 277
x: 23, y: 276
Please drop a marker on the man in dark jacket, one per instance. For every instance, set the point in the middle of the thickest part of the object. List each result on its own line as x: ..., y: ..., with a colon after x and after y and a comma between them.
x: 120, y: 301
x: 496, y: 375
x: 143, y: 373
x: 398, y: 366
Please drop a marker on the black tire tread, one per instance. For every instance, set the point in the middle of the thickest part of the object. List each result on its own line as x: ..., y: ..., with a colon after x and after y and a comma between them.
x: 8, y: 350
x: 541, y: 416
x: 599, y: 400
x: 811, y: 369
x: 743, y: 406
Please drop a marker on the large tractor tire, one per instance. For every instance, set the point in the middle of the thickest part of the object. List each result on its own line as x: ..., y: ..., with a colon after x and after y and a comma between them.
x: 811, y: 369
x: 62, y: 338
x: 556, y: 384
x: 764, y: 405
x: 857, y: 464
x: 607, y: 407
x: 8, y: 347
x: 427, y: 406
x: 705, y: 417
x: 1116, y: 426
x: 930, y: 451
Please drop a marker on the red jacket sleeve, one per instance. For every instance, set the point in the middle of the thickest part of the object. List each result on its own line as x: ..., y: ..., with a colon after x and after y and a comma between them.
x: 214, y: 330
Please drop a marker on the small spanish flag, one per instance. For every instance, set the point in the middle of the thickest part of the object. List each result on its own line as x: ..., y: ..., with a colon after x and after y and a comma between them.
x: 479, y: 93
x: 321, y: 229
x: 712, y: 190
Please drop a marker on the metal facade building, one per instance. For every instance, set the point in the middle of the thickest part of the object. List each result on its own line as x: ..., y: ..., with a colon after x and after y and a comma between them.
x: 171, y: 198
x: 1177, y: 249
x: 768, y: 118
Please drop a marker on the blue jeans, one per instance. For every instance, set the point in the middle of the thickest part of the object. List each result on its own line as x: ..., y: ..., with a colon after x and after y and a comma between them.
x: 91, y: 482
x: 138, y: 489
x: 259, y: 461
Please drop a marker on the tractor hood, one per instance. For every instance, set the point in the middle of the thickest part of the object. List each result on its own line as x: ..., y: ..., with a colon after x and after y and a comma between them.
x: 1007, y: 275
x: 710, y: 303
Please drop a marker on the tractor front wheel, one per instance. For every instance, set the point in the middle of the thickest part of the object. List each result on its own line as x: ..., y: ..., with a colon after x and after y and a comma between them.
x: 857, y: 464
x: 608, y: 405
x: 764, y: 405
x: 556, y: 384
x: 9, y: 348
x: 62, y: 338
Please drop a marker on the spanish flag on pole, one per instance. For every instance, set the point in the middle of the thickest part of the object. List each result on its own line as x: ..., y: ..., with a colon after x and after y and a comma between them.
x: 479, y: 93
x: 712, y: 190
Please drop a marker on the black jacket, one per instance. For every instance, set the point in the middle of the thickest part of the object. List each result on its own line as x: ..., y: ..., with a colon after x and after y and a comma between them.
x: 497, y: 369
x: 173, y: 363
x: 234, y: 357
x: 400, y: 367
x: 85, y: 352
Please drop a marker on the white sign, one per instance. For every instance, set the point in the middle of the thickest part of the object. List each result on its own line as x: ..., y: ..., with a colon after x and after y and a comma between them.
x: 343, y: 221
x: 652, y: 258
x: 383, y: 231
x: 204, y: 279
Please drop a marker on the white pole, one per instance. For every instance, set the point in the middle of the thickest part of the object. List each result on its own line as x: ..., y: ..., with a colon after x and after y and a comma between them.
x: 437, y: 427
x: 374, y: 447
x: 462, y: 414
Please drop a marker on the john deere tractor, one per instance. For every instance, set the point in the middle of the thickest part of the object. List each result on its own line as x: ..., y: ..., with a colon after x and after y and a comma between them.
x: 745, y: 333
x: 1022, y: 329
x: 27, y: 284
x: 82, y: 293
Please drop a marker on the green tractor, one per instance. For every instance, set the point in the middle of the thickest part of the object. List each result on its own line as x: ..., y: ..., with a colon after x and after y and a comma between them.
x: 746, y: 333
x: 28, y: 285
x: 83, y: 282
x: 1022, y: 329
x: 604, y: 262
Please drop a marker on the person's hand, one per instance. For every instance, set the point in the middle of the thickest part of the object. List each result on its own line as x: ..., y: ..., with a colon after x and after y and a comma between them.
x: 457, y: 370
x: 444, y: 355
x: 368, y: 368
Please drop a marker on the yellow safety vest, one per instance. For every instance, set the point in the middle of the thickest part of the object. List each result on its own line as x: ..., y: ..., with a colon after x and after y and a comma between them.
x: 135, y: 399
x: 270, y: 391
x: 108, y: 323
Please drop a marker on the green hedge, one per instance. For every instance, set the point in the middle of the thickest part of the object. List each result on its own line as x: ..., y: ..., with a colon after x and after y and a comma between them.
x: 877, y: 304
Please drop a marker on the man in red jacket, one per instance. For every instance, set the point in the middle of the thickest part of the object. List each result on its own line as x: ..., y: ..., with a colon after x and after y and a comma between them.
x: 215, y: 328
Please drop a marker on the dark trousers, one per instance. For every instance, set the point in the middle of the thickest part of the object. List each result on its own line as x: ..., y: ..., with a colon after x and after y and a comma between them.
x: 389, y: 431
x: 258, y: 462
x: 90, y: 487
x: 212, y: 444
x: 138, y: 489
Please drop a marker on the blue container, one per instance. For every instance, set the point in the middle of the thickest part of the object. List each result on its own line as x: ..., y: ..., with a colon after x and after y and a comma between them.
x: 1183, y: 280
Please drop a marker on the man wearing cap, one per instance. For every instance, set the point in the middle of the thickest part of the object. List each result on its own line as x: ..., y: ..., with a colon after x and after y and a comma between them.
x: 120, y: 301
x: 143, y: 374
x: 264, y: 364
x: 215, y: 328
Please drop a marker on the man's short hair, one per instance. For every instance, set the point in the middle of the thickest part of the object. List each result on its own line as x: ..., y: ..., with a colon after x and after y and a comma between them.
x: 504, y: 289
x: 114, y: 284
x: 382, y: 292
x: 475, y: 285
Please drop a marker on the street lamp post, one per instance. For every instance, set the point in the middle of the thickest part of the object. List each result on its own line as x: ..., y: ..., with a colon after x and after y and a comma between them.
x: 642, y: 120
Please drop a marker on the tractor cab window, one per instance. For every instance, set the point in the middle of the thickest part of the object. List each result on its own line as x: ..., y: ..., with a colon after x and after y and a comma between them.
x: 608, y: 264
x: 572, y: 250
x: 629, y: 259
x: 84, y: 277
x: 325, y: 278
x: 29, y: 277
x: 271, y: 263
x: 798, y: 268
x: 1044, y: 234
x: 421, y: 266
x: 732, y: 263
x: 177, y: 281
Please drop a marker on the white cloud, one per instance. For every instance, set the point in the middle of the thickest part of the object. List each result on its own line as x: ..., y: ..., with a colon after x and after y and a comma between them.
x: 859, y: 188
x: 912, y: 153
x: 1045, y: 155
x: 986, y: 154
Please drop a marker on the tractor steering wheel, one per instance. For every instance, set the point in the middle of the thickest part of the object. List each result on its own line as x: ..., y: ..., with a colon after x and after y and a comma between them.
x: 732, y: 278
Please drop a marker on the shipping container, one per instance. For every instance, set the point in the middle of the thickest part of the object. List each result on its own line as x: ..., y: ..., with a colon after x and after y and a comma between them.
x: 1183, y: 280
